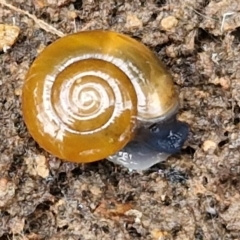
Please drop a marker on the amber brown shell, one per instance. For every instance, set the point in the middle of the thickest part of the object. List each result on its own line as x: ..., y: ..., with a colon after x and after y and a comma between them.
x: 86, y: 93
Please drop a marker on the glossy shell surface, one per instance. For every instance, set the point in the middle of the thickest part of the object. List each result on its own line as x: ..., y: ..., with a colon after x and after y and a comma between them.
x: 85, y: 94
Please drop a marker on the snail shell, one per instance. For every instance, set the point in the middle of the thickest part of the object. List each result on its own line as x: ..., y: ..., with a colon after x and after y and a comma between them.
x: 90, y: 95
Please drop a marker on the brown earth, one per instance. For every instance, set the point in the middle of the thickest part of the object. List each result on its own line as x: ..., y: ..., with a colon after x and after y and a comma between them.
x: 193, y: 195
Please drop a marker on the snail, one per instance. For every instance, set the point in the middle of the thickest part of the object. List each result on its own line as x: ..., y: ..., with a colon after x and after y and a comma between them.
x: 97, y: 95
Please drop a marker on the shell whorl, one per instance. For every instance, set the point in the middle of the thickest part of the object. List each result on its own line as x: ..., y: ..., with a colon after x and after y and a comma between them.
x: 85, y: 93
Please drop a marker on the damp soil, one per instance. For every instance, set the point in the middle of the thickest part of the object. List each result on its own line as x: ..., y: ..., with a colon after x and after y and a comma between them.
x: 194, y: 194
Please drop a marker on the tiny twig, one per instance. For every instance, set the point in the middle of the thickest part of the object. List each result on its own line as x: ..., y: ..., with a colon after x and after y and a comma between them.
x: 41, y: 23
x: 202, y: 15
x: 224, y: 17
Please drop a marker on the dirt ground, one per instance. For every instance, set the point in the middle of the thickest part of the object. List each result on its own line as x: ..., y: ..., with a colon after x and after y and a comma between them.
x: 194, y: 194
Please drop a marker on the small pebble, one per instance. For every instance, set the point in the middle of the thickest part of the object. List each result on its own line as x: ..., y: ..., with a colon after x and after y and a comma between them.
x: 8, y: 36
x: 168, y: 23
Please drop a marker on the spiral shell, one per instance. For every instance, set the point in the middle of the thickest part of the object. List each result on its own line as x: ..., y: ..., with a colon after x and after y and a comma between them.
x: 86, y: 93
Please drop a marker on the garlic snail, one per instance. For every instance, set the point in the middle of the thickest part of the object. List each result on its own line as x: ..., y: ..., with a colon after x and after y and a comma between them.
x: 102, y: 95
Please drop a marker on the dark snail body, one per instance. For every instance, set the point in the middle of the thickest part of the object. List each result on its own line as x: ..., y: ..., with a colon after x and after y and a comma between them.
x: 166, y: 137
x: 153, y: 144
x: 93, y: 95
